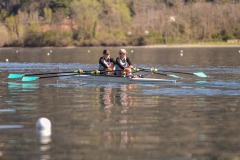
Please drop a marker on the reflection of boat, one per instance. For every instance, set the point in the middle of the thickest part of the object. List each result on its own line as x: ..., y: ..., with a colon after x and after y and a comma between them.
x: 121, y: 79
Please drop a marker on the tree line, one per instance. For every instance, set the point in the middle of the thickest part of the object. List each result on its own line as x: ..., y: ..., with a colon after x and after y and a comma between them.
x: 117, y: 22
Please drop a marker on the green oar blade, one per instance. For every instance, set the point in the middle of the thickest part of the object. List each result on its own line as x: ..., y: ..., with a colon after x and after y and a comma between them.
x: 174, y: 76
x: 28, y: 79
x: 13, y: 76
x: 200, y: 74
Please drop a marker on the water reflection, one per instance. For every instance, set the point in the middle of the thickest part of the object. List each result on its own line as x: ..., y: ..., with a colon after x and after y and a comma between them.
x: 116, y: 102
x: 112, y: 95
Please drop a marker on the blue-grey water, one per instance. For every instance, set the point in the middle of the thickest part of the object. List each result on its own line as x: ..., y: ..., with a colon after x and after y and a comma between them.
x: 196, y: 118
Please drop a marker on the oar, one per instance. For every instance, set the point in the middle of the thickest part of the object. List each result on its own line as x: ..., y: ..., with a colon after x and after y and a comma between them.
x: 76, y: 72
x: 169, y: 75
x: 199, y: 74
x: 155, y: 72
x: 34, y: 78
x: 79, y: 71
x: 19, y: 75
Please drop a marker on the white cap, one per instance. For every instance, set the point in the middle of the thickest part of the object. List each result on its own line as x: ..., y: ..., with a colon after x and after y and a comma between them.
x: 123, y: 51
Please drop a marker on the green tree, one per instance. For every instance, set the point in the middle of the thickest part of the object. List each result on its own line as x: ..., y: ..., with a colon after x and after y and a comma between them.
x: 47, y: 14
x: 85, y: 14
x: 4, y: 38
x: 16, y: 29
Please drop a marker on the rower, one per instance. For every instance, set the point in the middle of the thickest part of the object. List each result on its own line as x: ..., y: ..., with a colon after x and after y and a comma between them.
x: 123, y: 64
x: 106, y: 63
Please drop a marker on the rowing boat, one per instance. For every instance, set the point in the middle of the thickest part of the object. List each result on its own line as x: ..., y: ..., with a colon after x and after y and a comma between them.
x: 100, y: 77
x: 121, y: 79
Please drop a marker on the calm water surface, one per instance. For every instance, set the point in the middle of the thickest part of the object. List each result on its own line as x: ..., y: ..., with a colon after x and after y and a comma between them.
x: 194, y: 119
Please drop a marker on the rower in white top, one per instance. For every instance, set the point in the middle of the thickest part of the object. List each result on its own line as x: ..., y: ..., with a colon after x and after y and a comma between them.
x: 123, y: 64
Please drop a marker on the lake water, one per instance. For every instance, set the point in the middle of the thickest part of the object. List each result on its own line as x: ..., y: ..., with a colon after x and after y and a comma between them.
x: 196, y: 118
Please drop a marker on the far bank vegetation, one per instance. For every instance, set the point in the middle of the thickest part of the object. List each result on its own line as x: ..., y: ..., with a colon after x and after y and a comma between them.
x: 34, y: 23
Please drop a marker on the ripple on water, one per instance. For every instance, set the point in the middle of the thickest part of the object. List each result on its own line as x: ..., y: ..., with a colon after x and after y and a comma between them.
x: 191, y: 91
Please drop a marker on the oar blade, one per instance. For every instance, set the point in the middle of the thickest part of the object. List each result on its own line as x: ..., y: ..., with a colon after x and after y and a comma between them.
x: 200, y: 74
x: 174, y: 76
x: 28, y: 79
x: 14, y: 76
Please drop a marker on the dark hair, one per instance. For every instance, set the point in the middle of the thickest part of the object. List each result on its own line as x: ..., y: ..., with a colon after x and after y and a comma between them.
x: 106, y: 51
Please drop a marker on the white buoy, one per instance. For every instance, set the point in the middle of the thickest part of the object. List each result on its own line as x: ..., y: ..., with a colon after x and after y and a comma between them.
x: 239, y: 51
x: 89, y: 51
x: 7, y: 60
x: 44, y: 131
x: 16, y: 51
x: 43, y: 124
x: 48, y: 53
x: 181, y: 53
x: 132, y: 51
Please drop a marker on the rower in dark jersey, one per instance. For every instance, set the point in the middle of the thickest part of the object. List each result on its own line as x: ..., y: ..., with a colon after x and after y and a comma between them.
x: 123, y: 63
x: 106, y: 63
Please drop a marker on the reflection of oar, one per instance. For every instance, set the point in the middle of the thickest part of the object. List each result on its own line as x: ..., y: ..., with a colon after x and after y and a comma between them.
x: 199, y: 74
x: 155, y: 72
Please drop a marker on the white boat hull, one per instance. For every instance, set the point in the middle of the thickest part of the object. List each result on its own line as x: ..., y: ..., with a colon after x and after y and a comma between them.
x: 118, y: 79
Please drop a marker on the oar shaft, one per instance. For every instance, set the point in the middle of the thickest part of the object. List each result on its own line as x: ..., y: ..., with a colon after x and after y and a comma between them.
x: 38, y: 74
x: 176, y: 72
x: 58, y: 76
x: 199, y: 74
x: 155, y: 72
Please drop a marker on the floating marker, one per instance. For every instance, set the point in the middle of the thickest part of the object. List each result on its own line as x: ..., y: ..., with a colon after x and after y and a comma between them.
x: 7, y: 60
x: 43, y: 128
x: 43, y: 124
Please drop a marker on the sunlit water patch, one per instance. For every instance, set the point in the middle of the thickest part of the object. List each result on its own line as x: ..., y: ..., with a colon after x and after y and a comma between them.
x: 11, y: 126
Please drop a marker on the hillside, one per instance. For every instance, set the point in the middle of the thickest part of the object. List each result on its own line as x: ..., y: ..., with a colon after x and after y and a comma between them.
x: 117, y: 22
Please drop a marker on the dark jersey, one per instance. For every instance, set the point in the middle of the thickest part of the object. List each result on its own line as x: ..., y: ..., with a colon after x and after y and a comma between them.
x: 103, y: 64
x: 122, y: 63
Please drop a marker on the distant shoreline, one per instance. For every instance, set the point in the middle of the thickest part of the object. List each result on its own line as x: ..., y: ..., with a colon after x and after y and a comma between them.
x: 147, y: 46
x: 189, y: 46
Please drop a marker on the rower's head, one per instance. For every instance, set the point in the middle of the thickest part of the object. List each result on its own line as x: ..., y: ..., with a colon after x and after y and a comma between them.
x: 106, y: 52
x: 122, y: 52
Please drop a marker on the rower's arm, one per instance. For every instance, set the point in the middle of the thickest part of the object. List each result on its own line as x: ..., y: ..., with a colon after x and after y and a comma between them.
x: 119, y: 64
x: 129, y: 63
x: 101, y: 61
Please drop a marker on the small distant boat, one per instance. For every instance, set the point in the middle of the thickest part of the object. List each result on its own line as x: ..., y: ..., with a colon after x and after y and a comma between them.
x: 122, y: 79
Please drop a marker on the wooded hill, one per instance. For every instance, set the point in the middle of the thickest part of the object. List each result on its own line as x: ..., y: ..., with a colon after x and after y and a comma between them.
x: 117, y: 22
